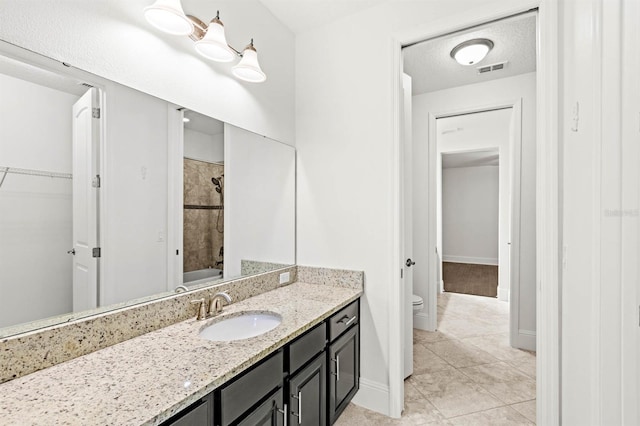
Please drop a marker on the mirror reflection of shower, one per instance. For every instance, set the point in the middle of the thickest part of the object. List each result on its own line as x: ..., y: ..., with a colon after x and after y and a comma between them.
x: 203, y: 232
x: 219, y: 183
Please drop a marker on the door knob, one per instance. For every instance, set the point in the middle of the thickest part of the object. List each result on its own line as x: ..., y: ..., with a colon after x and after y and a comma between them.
x: 72, y: 251
x: 410, y: 263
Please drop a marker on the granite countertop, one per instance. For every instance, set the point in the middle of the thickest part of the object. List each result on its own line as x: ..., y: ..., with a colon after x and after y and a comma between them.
x: 145, y: 380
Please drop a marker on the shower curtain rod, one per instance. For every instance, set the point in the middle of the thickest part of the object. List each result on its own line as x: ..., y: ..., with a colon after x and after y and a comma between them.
x: 31, y: 172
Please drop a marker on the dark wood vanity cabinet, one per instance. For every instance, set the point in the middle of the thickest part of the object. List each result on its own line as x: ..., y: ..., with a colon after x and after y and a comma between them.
x: 198, y: 414
x: 309, y: 381
x: 270, y: 413
x: 343, y: 356
x: 237, y: 398
x: 344, y: 371
x: 308, y: 394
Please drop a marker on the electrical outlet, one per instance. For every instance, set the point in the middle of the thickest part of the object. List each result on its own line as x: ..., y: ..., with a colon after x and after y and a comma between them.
x: 285, y: 277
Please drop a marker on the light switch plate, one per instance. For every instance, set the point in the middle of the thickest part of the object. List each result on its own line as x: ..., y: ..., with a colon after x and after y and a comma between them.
x: 285, y: 277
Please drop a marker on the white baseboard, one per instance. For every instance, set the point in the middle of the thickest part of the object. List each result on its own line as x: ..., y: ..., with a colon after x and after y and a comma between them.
x: 503, y: 294
x: 472, y: 260
x: 525, y: 339
x: 421, y: 321
x: 373, y: 396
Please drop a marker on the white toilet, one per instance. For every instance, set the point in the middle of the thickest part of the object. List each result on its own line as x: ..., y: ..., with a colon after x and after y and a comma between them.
x: 418, y: 303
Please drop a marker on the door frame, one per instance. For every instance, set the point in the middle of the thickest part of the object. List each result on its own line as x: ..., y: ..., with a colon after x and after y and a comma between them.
x: 512, y: 191
x: 547, y: 202
x: 175, y: 181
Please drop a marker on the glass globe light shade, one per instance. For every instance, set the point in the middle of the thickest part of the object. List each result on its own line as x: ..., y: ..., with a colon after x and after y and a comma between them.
x: 248, y: 69
x: 168, y: 16
x: 472, y: 51
x: 214, y: 45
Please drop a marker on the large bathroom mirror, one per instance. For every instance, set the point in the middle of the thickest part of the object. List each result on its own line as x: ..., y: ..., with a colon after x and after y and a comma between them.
x: 111, y: 197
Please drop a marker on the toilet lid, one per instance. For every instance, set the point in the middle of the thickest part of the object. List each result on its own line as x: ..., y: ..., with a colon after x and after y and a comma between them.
x: 417, y: 300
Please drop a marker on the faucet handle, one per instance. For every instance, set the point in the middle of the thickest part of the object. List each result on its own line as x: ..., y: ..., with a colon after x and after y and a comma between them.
x: 202, y: 310
x: 216, y: 304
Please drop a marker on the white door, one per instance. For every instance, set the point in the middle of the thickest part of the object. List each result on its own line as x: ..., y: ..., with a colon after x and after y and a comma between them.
x: 407, y: 209
x: 85, y: 198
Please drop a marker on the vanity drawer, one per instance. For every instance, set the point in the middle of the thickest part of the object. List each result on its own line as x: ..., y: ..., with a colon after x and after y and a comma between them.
x: 306, y: 347
x: 343, y: 319
x: 243, y: 393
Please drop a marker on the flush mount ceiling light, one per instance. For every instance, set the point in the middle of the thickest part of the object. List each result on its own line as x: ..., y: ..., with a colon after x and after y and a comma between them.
x: 210, y: 41
x: 471, y: 52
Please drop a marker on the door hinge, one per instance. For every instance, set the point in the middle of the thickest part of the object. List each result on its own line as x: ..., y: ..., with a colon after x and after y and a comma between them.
x: 96, y: 182
x: 96, y: 252
x: 401, y: 273
x: 95, y: 112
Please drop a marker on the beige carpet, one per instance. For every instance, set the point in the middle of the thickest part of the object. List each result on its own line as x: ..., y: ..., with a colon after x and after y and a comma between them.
x: 481, y: 280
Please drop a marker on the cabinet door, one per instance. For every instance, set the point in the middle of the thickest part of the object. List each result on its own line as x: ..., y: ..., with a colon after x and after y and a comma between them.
x: 244, y: 392
x: 308, y: 394
x: 199, y: 414
x: 344, y: 368
x: 269, y: 413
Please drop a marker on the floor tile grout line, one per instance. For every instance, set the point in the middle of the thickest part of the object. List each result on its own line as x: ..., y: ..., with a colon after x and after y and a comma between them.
x: 488, y: 409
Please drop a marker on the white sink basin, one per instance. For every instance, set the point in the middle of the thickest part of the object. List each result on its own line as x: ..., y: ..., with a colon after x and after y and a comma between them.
x: 241, y: 326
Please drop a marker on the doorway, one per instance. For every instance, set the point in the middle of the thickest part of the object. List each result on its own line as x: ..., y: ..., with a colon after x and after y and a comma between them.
x: 543, y: 147
x: 469, y: 212
x: 49, y: 151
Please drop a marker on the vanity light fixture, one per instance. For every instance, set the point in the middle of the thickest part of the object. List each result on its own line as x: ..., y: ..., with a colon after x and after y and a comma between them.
x: 471, y: 52
x: 248, y: 69
x: 168, y: 16
x: 210, y: 41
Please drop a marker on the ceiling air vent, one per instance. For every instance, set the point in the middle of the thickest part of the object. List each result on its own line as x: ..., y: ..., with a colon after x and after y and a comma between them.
x: 493, y: 67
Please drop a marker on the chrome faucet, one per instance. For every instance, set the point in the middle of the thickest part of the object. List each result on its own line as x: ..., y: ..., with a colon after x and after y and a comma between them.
x: 181, y: 287
x: 216, y: 305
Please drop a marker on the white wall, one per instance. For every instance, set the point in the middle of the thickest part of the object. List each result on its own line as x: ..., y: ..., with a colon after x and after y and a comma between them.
x: 134, y: 258
x: 259, y: 220
x: 344, y: 134
x: 470, y: 214
x: 112, y: 39
x: 35, y: 212
x: 203, y: 147
x: 472, y: 96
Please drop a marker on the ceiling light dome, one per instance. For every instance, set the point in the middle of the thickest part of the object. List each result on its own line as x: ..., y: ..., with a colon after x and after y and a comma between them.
x: 471, y: 52
x: 214, y: 43
x: 168, y: 16
x: 248, y: 69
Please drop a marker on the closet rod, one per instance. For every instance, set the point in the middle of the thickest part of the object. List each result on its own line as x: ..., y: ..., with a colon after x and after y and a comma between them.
x: 32, y: 172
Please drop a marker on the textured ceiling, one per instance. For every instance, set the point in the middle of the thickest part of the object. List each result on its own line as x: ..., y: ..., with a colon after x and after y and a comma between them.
x: 203, y: 124
x: 431, y: 67
x: 470, y: 159
x: 40, y: 76
x: 301, y: 15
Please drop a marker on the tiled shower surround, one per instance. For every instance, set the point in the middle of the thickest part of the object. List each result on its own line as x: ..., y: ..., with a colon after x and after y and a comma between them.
x: 203, y: 216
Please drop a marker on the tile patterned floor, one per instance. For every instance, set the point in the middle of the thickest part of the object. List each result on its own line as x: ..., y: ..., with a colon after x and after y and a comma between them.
x: 465, y: 373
